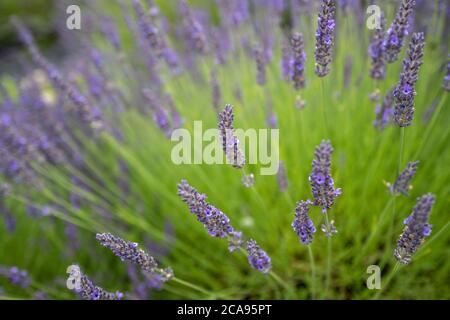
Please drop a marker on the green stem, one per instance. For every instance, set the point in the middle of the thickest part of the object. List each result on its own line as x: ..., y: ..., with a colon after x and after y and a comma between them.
x: 313, y: 272
x: 388, y: 280
x: 329, y: 256
x: 193, y: 286
x: 324, y: 115
x: 402, y: 148
x: 279, y: 280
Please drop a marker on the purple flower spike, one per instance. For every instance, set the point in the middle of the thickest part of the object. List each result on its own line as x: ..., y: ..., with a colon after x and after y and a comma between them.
x: 416, y: 229
x: 322, y: 184
x: 229, y: 140
x: 302, y: 224
x: 16, y: 276
x: 404, y: 93
x: 258, y: 258
x: 376, y: 51
x: 393, y: 42
x: 89, y: 291
x: 298, y: 66
x: 402, y: 184
x: 214, y: 220
x: 325, y: 37
x: 385, y: 112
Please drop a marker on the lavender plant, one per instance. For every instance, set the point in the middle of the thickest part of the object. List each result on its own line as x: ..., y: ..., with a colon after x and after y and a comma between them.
x: 86, y: 142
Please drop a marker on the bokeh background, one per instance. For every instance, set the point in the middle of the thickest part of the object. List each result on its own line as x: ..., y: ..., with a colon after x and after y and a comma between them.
x: 365, y: 159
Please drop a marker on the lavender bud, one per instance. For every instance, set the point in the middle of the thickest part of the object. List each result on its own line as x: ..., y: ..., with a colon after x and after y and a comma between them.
x: 384, y: 112
x: 128, y: 251
x: 404, y: 92
x: 325, y: 37
x: 248, y: 180
x: 286, y: 60
x: 329, y: 230
x: 402, y: 184
x: 257, y: 257
x: 322, y: 184
x: 89, y: 291
x: 376, y: 52
x: 235, y: 241
x: 396, y: 33
x: 215, y: 221
x: 298, y: 65
x: 302, y: 224
x: 416, y: 229
x: 228, y: 139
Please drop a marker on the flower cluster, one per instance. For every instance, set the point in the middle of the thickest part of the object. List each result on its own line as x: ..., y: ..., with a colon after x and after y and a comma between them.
x: 88, y: 290
x: 402, y: 184
x: 325, y: 37
x: 298, y: 65
x: 384, y: 112
x: 215, y: 221
x: 229, y: 141
x: 130, y: 252
x: 376, y: 52
x: 322, y: 184
x: 16, y: 276
x: 405, y: 92
x: 218, y: 225
x: 416, y: 229
x: 257, y: 257
x: 396, y: 33
x: 302, y: 224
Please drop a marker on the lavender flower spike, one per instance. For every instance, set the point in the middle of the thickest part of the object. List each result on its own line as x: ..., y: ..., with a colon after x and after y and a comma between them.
x: 322, y: 184
x: 376, y: 51
x: 302, y: 224
x: 16, y: 276
x: 401, y: 185
x: 404, y: 93
x: 398, y: 30
x: 214, y: 220
x: 88, y: 290
x: 416, y: 229
x: 325, y: 37
x: 298, y: 67
x: 129, y: 251
x: 228, y: 139
x: 384, y: 111
x: 260, y: 66
x: 257, y: 257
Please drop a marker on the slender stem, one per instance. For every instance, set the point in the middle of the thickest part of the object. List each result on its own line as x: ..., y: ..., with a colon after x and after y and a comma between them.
x: 402, y: 148
x: 388, y: 280
x: 329, y: 257
x: 279, y: 280
x: 324, y: 115
x: 193, y: 286
x: 313, y: 272
x: 378, y: 226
